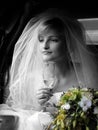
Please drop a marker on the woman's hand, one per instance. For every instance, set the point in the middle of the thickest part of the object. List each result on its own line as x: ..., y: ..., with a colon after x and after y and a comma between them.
x: 43, y: 95
x: 51, y: 109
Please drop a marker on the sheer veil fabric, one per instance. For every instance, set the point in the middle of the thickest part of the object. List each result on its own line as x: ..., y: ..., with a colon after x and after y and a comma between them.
x: 27, y: 65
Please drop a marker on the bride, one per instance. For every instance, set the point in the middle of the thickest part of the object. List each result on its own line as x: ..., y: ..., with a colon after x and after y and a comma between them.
x: 50, y: 57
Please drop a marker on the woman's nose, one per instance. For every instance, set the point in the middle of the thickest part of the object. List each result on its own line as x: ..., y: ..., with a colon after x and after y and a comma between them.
x: 46, y: 45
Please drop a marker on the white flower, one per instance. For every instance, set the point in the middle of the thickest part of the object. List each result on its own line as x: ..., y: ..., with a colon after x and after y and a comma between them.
x: 85, y: 89
x: 96, y: 110
x: 66, y: 106
x: 85, y: 103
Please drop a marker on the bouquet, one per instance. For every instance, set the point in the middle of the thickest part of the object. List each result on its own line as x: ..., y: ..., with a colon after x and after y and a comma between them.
x: 77, y: 109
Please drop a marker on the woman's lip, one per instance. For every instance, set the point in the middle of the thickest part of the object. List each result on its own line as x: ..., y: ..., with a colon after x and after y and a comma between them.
x: 46, y: 52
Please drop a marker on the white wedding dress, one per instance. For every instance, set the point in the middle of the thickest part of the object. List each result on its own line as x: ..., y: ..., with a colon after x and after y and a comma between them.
x: 26, y: 119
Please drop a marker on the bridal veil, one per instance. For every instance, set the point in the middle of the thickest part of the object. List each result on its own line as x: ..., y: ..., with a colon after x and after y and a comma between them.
x: 27, y: 64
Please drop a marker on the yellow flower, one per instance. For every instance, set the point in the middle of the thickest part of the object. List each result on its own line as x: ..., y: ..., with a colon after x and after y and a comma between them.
x: 61, y: 117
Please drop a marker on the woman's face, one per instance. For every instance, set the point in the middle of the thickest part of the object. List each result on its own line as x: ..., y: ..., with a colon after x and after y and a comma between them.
x: 51, y: 45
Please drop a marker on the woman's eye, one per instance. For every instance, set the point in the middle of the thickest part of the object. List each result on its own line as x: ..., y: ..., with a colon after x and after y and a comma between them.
x: 55, y: 40
x: 41, y: 39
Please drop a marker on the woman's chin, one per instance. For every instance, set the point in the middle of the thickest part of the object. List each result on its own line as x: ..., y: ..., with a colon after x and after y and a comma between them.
x: 47, y: 59
x: 51, y: 59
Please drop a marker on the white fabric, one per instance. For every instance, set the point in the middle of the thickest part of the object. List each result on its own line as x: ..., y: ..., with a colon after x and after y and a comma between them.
x: 28, y: 119
x: 26, y: 74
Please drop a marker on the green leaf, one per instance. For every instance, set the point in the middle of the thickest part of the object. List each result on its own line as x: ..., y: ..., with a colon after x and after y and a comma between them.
x: 69, y: 128
x: 62, y: 124
x: 74, y: 123
x: 58, y: 122
x: 56, y: 128
x: 87, y: 128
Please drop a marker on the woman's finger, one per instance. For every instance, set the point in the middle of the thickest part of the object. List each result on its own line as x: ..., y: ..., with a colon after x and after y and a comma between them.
x: 43, y: 100
x: 47, y: 91
x: 43, y: 95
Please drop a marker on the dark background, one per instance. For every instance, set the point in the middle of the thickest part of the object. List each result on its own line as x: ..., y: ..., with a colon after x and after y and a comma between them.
x: 79, y: 8
x: 10, y: 10
x: 14, y: 14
